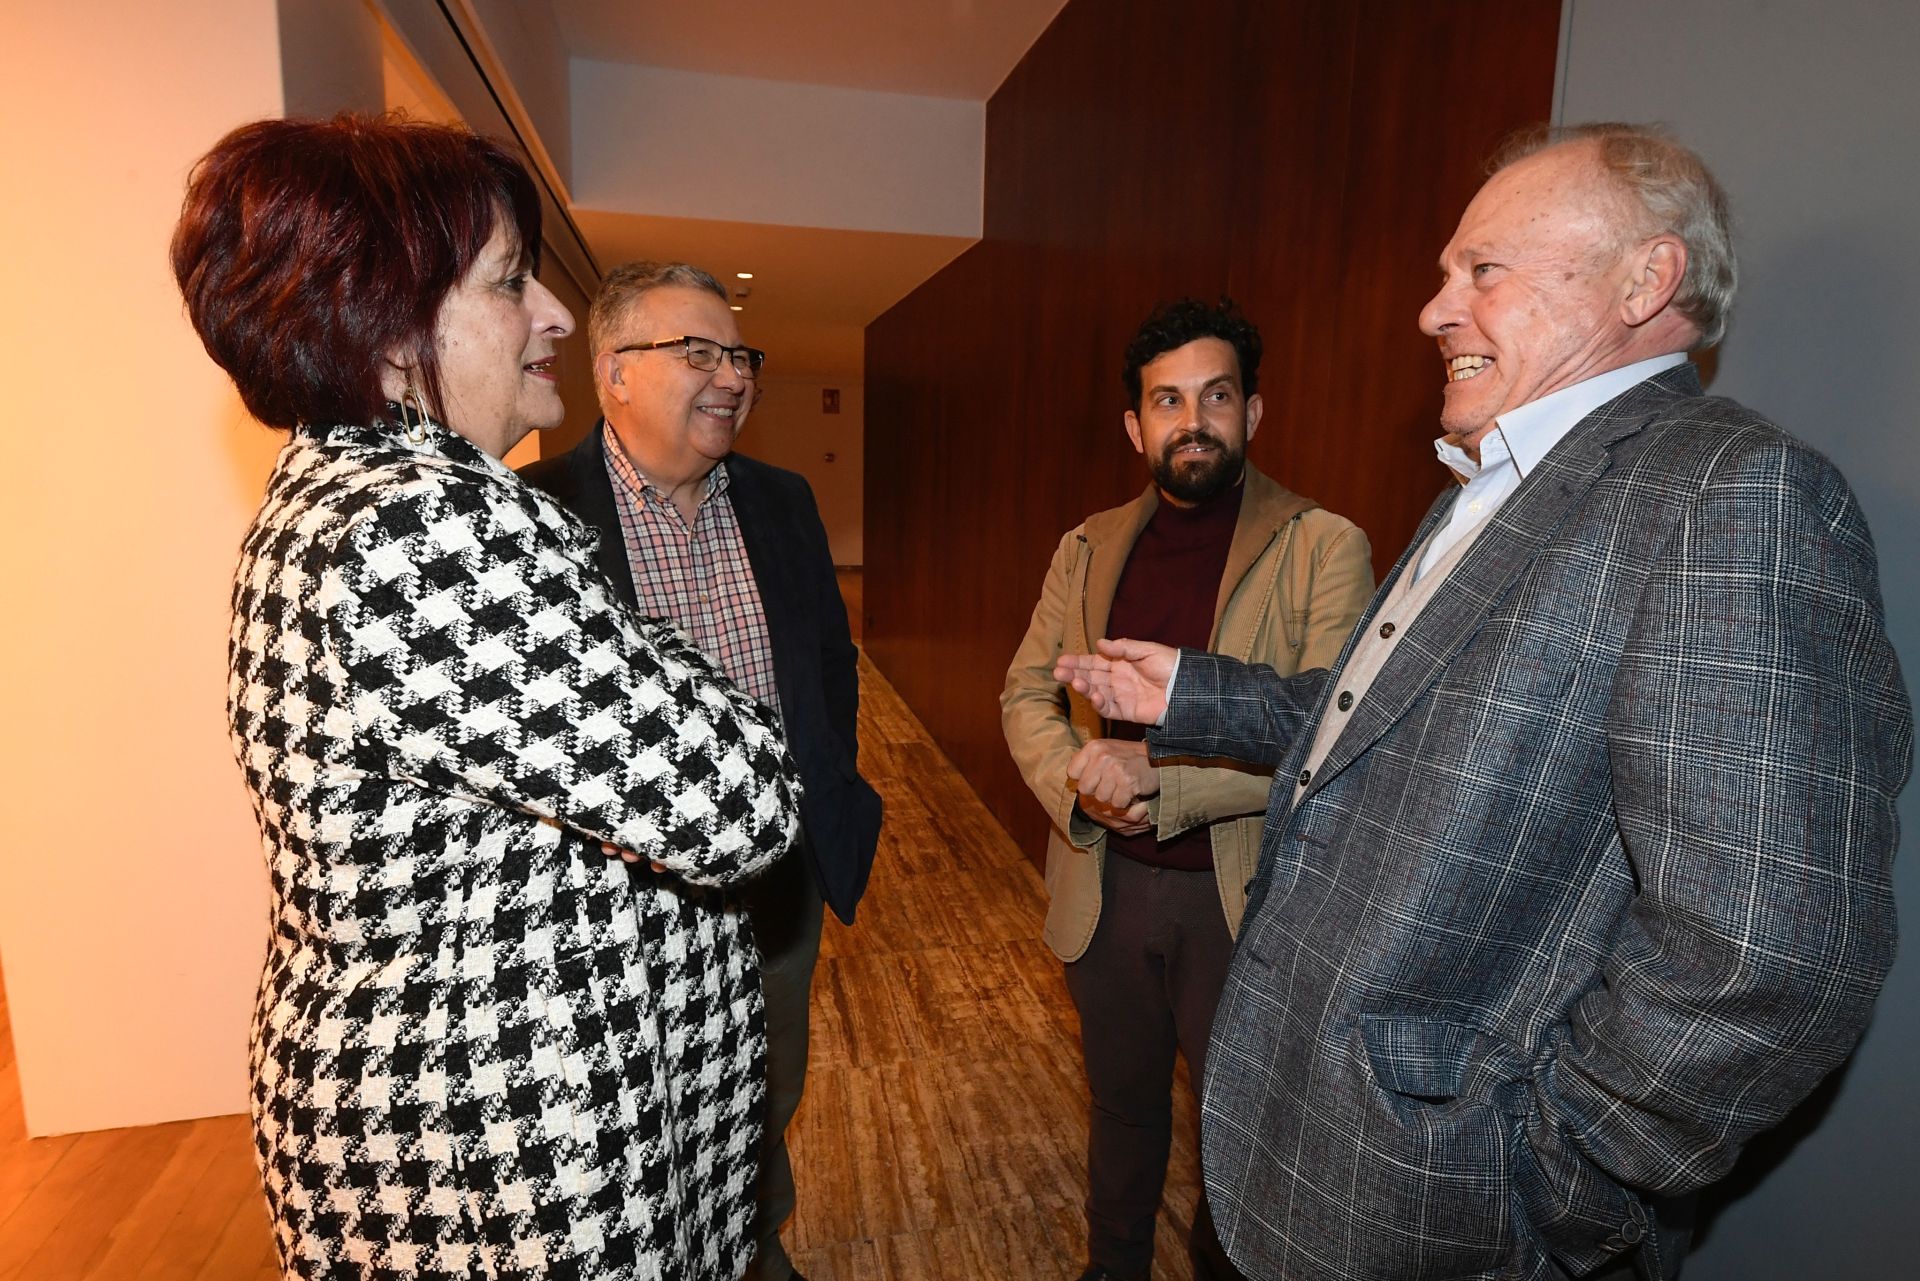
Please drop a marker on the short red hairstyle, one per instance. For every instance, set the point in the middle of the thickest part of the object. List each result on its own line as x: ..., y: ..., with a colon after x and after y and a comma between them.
x: 309, y: 250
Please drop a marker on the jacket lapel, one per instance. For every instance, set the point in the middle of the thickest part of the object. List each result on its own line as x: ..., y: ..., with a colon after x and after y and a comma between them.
x: 762, y: 532
x: 1265, y: 510
x: 1497, y: 560
x: 592, y: 500
x: 1110, y: 538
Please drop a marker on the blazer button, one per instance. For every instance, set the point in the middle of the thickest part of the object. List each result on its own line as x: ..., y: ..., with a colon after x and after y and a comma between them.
x: 1306, y: 776
x: 1386, y: 631
x: 1346, y: 699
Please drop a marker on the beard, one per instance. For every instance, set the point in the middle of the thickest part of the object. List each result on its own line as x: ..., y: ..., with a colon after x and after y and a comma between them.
x: 1195, y: 480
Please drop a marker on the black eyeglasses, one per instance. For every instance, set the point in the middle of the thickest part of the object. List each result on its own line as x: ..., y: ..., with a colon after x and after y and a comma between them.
x: 704, y: 353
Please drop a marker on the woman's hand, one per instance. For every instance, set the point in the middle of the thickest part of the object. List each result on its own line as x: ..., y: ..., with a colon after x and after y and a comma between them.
x: 628, y: 856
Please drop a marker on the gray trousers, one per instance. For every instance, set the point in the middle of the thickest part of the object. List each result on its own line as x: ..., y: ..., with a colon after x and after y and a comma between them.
x: 1145, y: 987
x: 784, y: 908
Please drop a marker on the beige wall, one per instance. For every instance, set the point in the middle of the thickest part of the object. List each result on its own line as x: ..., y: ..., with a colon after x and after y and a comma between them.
x: 330, y: 57
x: 527, y: 40
x: 132, y: 903
x: 788, y: 430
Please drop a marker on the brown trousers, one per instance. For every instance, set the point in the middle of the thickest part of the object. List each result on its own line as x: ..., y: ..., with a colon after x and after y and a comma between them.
x: 1145, y: 988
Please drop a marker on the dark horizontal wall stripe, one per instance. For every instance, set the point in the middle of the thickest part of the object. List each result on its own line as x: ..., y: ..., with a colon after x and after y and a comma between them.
x: 1311, y: 159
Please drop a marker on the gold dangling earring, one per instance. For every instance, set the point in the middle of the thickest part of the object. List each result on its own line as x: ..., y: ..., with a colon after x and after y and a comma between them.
x: 413, y: 414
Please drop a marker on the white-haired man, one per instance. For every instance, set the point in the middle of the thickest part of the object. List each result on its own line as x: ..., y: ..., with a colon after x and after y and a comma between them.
x: 1577, y: 872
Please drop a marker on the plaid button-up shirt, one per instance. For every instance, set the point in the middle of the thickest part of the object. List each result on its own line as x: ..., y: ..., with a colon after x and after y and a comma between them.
x: 699, y: 578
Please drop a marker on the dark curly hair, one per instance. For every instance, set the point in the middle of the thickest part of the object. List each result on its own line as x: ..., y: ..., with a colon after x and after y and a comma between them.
x: 308, y: 250
x: 1175, y: 324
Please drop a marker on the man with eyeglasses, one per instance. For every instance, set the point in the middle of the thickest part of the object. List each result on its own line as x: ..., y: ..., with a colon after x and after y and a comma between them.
x: 734, y: 552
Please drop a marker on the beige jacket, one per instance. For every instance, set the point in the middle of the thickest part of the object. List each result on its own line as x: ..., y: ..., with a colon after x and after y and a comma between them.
x: 1297, y: 578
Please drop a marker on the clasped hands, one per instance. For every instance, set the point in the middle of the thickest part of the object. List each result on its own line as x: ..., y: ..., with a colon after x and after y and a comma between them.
x: 1114, y: 779
x: 1126, y: 680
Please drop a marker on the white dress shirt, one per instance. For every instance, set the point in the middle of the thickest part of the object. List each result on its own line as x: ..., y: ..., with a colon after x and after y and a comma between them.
x: 1520, y: 439
x: 1510, y: 452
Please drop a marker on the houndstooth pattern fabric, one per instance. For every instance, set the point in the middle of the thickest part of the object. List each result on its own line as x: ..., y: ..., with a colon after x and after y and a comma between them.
x: 1593, y: 887
x: 482, y: 1048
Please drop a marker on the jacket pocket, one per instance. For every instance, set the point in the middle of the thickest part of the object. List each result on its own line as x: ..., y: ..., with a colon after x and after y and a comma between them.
x: 1517, y: 664
x: 1436, y: 1138
x: 1444, y: 1079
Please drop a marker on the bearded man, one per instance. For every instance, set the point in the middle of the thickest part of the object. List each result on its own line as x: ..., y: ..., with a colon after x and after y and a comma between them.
x: 1212, y: 555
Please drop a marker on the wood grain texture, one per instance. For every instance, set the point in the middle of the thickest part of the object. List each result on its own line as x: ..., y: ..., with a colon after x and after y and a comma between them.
x: 1429, y: 99
x: 1310, y: 159
x: 942, y: 1136
x: 944, y: 1130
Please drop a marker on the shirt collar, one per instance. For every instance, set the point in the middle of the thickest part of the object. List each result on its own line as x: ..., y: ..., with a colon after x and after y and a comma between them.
x: 1525, y: 435
x: 621, y: 468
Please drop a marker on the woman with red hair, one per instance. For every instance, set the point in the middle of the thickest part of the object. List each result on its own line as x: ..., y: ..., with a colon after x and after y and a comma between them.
x: 481, y: 1048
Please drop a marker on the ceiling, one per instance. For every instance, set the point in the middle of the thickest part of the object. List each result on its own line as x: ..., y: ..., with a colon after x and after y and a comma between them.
x: 938, y: 48
x: 814, y: 289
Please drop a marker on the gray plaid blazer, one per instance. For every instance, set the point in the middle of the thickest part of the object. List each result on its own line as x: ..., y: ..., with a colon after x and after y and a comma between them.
x: 1594, y: 887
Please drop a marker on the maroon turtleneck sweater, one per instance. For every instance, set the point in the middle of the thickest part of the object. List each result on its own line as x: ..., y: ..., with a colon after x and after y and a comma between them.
x: 1167, y: 593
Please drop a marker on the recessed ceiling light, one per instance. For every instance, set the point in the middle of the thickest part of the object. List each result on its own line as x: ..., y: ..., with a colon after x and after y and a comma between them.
x: 743, y: 275
x: 738, y: 307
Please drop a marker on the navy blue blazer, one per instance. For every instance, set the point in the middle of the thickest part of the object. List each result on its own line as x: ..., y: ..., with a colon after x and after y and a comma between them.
x: 814, y: 661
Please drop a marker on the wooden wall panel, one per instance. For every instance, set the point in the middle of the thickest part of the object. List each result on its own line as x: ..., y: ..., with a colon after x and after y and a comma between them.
x: 1289, y: 267
x: 1430, y: 98
x: 1308, y: 158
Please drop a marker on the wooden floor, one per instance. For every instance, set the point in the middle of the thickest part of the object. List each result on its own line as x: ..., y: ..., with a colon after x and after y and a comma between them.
x: 942, y: 1135
x: 944, y: 1129
x: 178, y: 1201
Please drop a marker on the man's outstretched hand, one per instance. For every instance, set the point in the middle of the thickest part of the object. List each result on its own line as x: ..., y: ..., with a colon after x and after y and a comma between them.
x: 1125, y: 681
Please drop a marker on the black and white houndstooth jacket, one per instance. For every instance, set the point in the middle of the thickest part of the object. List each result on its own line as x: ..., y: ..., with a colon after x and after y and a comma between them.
x: 482, y: 1048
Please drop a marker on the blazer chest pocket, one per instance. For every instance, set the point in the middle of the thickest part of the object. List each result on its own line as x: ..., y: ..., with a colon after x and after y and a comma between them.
x: 1517, y: 666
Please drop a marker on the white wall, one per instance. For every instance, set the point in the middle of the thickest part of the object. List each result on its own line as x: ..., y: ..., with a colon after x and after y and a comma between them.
x: 688, y: 145
x: 789, y: 430
x: 1809, y: 111
x: 132, y: 901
